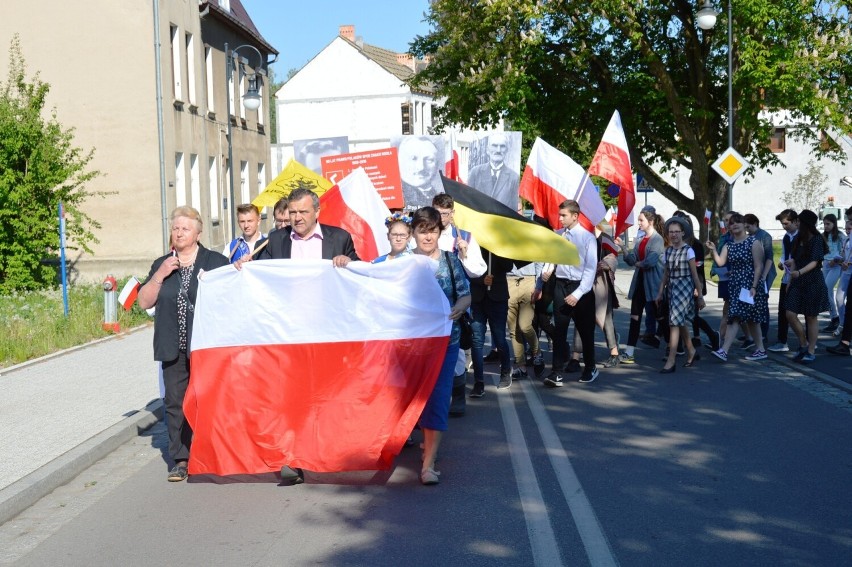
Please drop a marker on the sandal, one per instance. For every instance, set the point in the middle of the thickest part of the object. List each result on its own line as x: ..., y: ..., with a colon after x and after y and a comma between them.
x: 429, y: 477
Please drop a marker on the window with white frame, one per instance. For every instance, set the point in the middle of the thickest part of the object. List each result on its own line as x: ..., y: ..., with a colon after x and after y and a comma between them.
x: 213, y: 180
x: 194, y: 182
x: 174, y: 44
x: 261, y: 178
x: 180, y: 180
x: 190, y: 69
x: 244, y: 182
x: 208, y: 63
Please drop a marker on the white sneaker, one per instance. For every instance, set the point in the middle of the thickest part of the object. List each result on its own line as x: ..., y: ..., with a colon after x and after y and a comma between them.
x: 779, y: 347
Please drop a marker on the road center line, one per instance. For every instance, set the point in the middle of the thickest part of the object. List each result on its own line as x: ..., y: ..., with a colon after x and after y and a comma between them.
x: 594, y: 540
x: 545, y: 548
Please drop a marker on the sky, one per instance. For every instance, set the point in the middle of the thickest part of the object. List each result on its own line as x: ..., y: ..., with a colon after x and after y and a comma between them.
x: 299, y: 29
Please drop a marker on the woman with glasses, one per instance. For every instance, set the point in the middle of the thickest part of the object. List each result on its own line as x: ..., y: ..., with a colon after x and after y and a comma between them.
x: 748, y: 296
x: 399, y: 233
x: 682, y: 288
x: 171, y: 286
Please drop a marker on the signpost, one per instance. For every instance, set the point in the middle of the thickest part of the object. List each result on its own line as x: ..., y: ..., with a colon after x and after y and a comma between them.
x: 730, y: 166
x: 642, y: 186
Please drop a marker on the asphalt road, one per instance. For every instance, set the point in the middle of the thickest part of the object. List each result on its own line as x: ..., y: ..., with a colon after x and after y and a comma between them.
x: 744, y: 463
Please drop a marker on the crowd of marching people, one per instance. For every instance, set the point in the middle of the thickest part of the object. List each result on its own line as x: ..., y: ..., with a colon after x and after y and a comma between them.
x: 525, y: 304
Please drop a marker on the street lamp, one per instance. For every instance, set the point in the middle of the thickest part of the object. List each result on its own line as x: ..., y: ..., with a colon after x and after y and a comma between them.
x: 705, y: 18
x: 846, y: 181
x: 251, y: 101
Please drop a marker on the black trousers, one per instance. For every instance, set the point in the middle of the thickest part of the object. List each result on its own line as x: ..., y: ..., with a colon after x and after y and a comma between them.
x: 176, y: 380
x: 783, y: 325
x: 583, y: 315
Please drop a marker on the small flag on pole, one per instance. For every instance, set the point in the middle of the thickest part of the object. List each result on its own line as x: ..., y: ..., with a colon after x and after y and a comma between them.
x: 128, y: 293
x: 707, y: 216
x: 722, y: 227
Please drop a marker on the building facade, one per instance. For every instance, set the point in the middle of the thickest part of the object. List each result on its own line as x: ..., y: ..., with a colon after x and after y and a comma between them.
x: 146, y: 85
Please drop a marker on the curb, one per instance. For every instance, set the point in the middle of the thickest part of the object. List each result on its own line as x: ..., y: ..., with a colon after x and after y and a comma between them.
x: 808, y: 371
x: 25, y: 492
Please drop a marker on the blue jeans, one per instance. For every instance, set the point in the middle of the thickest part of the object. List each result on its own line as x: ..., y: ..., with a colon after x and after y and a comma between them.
x: 495, y: 314
x: 832, y: 276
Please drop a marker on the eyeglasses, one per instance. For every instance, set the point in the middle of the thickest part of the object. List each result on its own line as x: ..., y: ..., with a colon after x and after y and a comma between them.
x: 675, y: 232
x: 445, y: 213
x: 398, y: 236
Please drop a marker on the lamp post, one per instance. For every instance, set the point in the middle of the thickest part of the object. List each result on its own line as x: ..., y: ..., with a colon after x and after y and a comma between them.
x: 251, y: 101
x: 706, y: 20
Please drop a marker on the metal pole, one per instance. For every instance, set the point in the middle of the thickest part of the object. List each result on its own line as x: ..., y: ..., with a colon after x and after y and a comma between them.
x: 229, y: 92
x: 730, y: 96
x: 161, y: 137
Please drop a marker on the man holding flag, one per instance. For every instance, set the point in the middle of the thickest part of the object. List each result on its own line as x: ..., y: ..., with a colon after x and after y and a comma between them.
x: 573, y: 298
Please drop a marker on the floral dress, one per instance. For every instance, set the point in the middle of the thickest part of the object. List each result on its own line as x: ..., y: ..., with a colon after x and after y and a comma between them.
x: 741, y: 271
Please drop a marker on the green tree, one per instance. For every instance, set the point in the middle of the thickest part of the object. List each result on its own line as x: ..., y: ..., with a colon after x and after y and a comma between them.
x: 558, y: 70
x: 807, y: 190
x: 39, y: 167
x: 273, y: 107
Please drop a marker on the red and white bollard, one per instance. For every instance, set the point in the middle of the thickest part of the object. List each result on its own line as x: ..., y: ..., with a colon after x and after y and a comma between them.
x: 110, y: 306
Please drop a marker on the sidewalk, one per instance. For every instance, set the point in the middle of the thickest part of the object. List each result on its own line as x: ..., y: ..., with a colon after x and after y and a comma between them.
x: 61, y: 413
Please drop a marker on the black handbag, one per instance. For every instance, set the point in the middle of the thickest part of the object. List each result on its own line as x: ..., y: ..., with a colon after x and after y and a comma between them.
x: 465, y: 322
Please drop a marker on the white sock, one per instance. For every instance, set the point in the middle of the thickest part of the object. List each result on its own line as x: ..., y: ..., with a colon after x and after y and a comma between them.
x: 628, y: 350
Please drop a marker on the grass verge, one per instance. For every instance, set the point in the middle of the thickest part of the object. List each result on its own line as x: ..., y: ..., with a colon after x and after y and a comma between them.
x: 35, y: 324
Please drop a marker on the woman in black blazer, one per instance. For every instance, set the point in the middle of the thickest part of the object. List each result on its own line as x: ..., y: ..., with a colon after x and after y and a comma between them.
x: 171, y: 286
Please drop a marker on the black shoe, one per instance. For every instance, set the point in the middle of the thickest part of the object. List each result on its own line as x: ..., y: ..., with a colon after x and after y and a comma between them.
x: 651, y: 341
x: 505, y: 381
x: 178, y: 473
x: 839, y: 349
x: 553, y: 380
x: 747, y: 344
x: 715, y: 341
x: 835, y: 323
x: 691, y: 363
x: 572, y: 366
x: 669, y: 370
x: 681, y: 350
x: 291, y: 476
x: 478, y: 390
x: 611, y: 362
x: 519, y: 374
x: 492, y: 356
x: 589, y: 375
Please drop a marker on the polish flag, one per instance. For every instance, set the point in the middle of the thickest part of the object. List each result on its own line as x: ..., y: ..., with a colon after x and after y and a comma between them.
x: 610, y: 216
x: 355, y: 206
x: 551, y: 177
x: 451, y: 158
x: 129, y: 292
x: 331, y: 378
x: 612, y: 162
x: 708, y: 214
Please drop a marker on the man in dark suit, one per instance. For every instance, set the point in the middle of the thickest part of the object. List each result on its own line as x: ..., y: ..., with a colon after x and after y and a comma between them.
x: 494, y: 178
x: 307, y: 238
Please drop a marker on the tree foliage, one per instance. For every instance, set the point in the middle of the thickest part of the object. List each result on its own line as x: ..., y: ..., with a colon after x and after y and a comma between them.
x: 557, y: 69
x: 807, y: 190
x: 39, y: 167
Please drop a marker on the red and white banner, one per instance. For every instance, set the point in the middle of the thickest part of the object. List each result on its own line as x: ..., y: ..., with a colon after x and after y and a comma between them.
x: 551, y: 177
x: 129, y: 292
x: 612, y: 162
x: 298, y: 363
x: 451, y: 158
x: 708, y: 214
x: 355, y: 206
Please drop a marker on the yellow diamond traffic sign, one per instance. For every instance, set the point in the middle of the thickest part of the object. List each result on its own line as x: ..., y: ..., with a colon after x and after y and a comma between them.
x: 730, y: 165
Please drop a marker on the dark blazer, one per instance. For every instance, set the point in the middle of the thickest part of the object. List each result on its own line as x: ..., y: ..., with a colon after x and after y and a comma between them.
x: 165, y: 317
x: 335, y: 242
x: 506, y: 188
x: 500, y: 287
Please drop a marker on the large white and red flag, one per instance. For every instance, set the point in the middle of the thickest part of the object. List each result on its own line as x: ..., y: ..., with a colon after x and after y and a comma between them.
x: 612, y: 162
x: 299, y: 363
x: 551, y: 177
x: 355, y: 206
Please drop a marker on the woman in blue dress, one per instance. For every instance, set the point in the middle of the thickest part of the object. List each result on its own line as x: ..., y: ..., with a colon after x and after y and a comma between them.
x: 743, y: 256
x: 426, y: 226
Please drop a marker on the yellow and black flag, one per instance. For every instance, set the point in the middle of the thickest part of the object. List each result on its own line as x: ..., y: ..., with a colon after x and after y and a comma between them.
x: 503, y: 231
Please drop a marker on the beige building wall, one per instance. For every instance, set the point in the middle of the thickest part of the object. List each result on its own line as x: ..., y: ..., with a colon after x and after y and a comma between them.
x: 99, y: 59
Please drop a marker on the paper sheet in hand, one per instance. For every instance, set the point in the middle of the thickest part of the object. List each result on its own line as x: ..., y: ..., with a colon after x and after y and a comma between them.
x: 745, y: 296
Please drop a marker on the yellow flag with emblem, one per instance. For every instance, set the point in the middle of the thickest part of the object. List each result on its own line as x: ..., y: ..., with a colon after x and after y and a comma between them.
x: 294, y: 176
